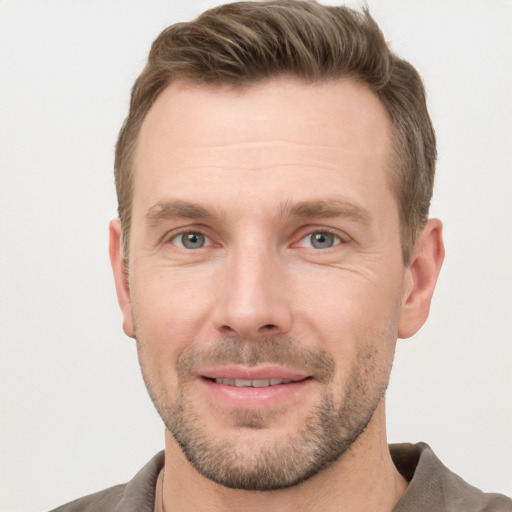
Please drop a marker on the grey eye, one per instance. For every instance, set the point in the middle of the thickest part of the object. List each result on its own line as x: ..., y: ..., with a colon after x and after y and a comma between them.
x: 191, y: 240
x: 322, y: 240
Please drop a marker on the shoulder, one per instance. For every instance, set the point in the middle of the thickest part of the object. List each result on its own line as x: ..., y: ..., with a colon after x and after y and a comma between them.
x: 102, y: 500
x: 433, y: 487
x: 138, y: 495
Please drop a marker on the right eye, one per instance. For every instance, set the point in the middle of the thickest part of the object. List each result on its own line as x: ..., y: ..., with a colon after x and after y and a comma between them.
x: 191, y: 240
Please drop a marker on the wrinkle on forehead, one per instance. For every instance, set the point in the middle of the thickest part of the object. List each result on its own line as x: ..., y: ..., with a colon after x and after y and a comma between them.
x: 255, y: 155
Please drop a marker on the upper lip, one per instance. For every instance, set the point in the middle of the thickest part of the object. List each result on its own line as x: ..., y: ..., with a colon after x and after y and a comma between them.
x: 252, y: 373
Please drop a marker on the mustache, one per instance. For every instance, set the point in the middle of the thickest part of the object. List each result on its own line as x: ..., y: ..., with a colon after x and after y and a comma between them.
x: 270, y: 349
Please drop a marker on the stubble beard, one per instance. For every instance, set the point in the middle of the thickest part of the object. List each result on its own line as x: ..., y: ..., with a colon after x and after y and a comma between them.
x: 327, y: 432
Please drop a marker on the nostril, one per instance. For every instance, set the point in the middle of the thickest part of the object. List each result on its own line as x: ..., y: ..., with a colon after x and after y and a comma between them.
x: 269, y: 326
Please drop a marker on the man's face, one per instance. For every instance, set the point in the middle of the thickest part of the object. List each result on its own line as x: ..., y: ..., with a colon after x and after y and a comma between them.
x: 265, y: 274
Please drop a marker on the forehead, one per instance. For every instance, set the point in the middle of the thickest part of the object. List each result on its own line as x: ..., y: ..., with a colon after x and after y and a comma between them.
x: 344, y: 109
x: 281, y: 133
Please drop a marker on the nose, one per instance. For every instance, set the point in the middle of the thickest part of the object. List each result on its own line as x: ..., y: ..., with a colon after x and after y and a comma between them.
x: 252, y: 296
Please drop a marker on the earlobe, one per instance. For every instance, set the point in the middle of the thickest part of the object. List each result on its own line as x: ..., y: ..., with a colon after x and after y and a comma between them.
x: 120, y: 276
x: 421, y: 277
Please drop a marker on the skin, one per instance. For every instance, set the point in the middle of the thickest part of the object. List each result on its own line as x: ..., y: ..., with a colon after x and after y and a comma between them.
x: 258, y: 171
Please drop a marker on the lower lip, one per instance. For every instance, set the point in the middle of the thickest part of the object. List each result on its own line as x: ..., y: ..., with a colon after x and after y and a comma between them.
x: 248, y: 398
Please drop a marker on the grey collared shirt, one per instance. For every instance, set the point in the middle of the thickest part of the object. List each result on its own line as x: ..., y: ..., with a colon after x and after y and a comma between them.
x: 432, y: 488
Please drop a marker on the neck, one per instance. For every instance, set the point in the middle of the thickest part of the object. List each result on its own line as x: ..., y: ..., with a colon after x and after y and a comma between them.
x: 363, y: 479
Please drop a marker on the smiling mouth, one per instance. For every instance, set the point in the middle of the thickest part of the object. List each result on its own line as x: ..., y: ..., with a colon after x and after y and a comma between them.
x: 256, y: 383
x: 262, y: 390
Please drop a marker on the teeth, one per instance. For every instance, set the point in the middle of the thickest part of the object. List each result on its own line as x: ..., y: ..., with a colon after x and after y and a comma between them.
x: 241, y: 383
x: 260, y: 383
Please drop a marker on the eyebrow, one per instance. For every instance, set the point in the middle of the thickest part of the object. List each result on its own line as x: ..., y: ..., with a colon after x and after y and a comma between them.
x: 176, y: 209
x: 325, y: 208
x: 319, y: 209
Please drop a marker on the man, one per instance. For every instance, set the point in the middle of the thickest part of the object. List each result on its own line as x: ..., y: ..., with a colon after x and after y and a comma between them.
x: 274, y: 177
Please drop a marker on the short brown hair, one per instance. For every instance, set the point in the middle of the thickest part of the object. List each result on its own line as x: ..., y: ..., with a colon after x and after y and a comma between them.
x: 243, y: 43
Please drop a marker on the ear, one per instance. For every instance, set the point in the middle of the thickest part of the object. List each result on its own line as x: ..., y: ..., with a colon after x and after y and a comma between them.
x: 421, y: 277
x: 121, y: 276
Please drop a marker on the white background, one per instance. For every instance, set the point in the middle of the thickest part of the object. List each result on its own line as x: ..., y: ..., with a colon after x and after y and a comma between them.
x: 74, y: 414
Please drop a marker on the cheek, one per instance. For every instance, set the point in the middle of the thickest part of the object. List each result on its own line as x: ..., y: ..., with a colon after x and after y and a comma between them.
x: 169, y: 312
x: 349, y: 316
x: 344, y: 299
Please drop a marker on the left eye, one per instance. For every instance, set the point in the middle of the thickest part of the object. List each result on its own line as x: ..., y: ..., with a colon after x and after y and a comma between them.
x: 320, y: 240
x: 191, y: 240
